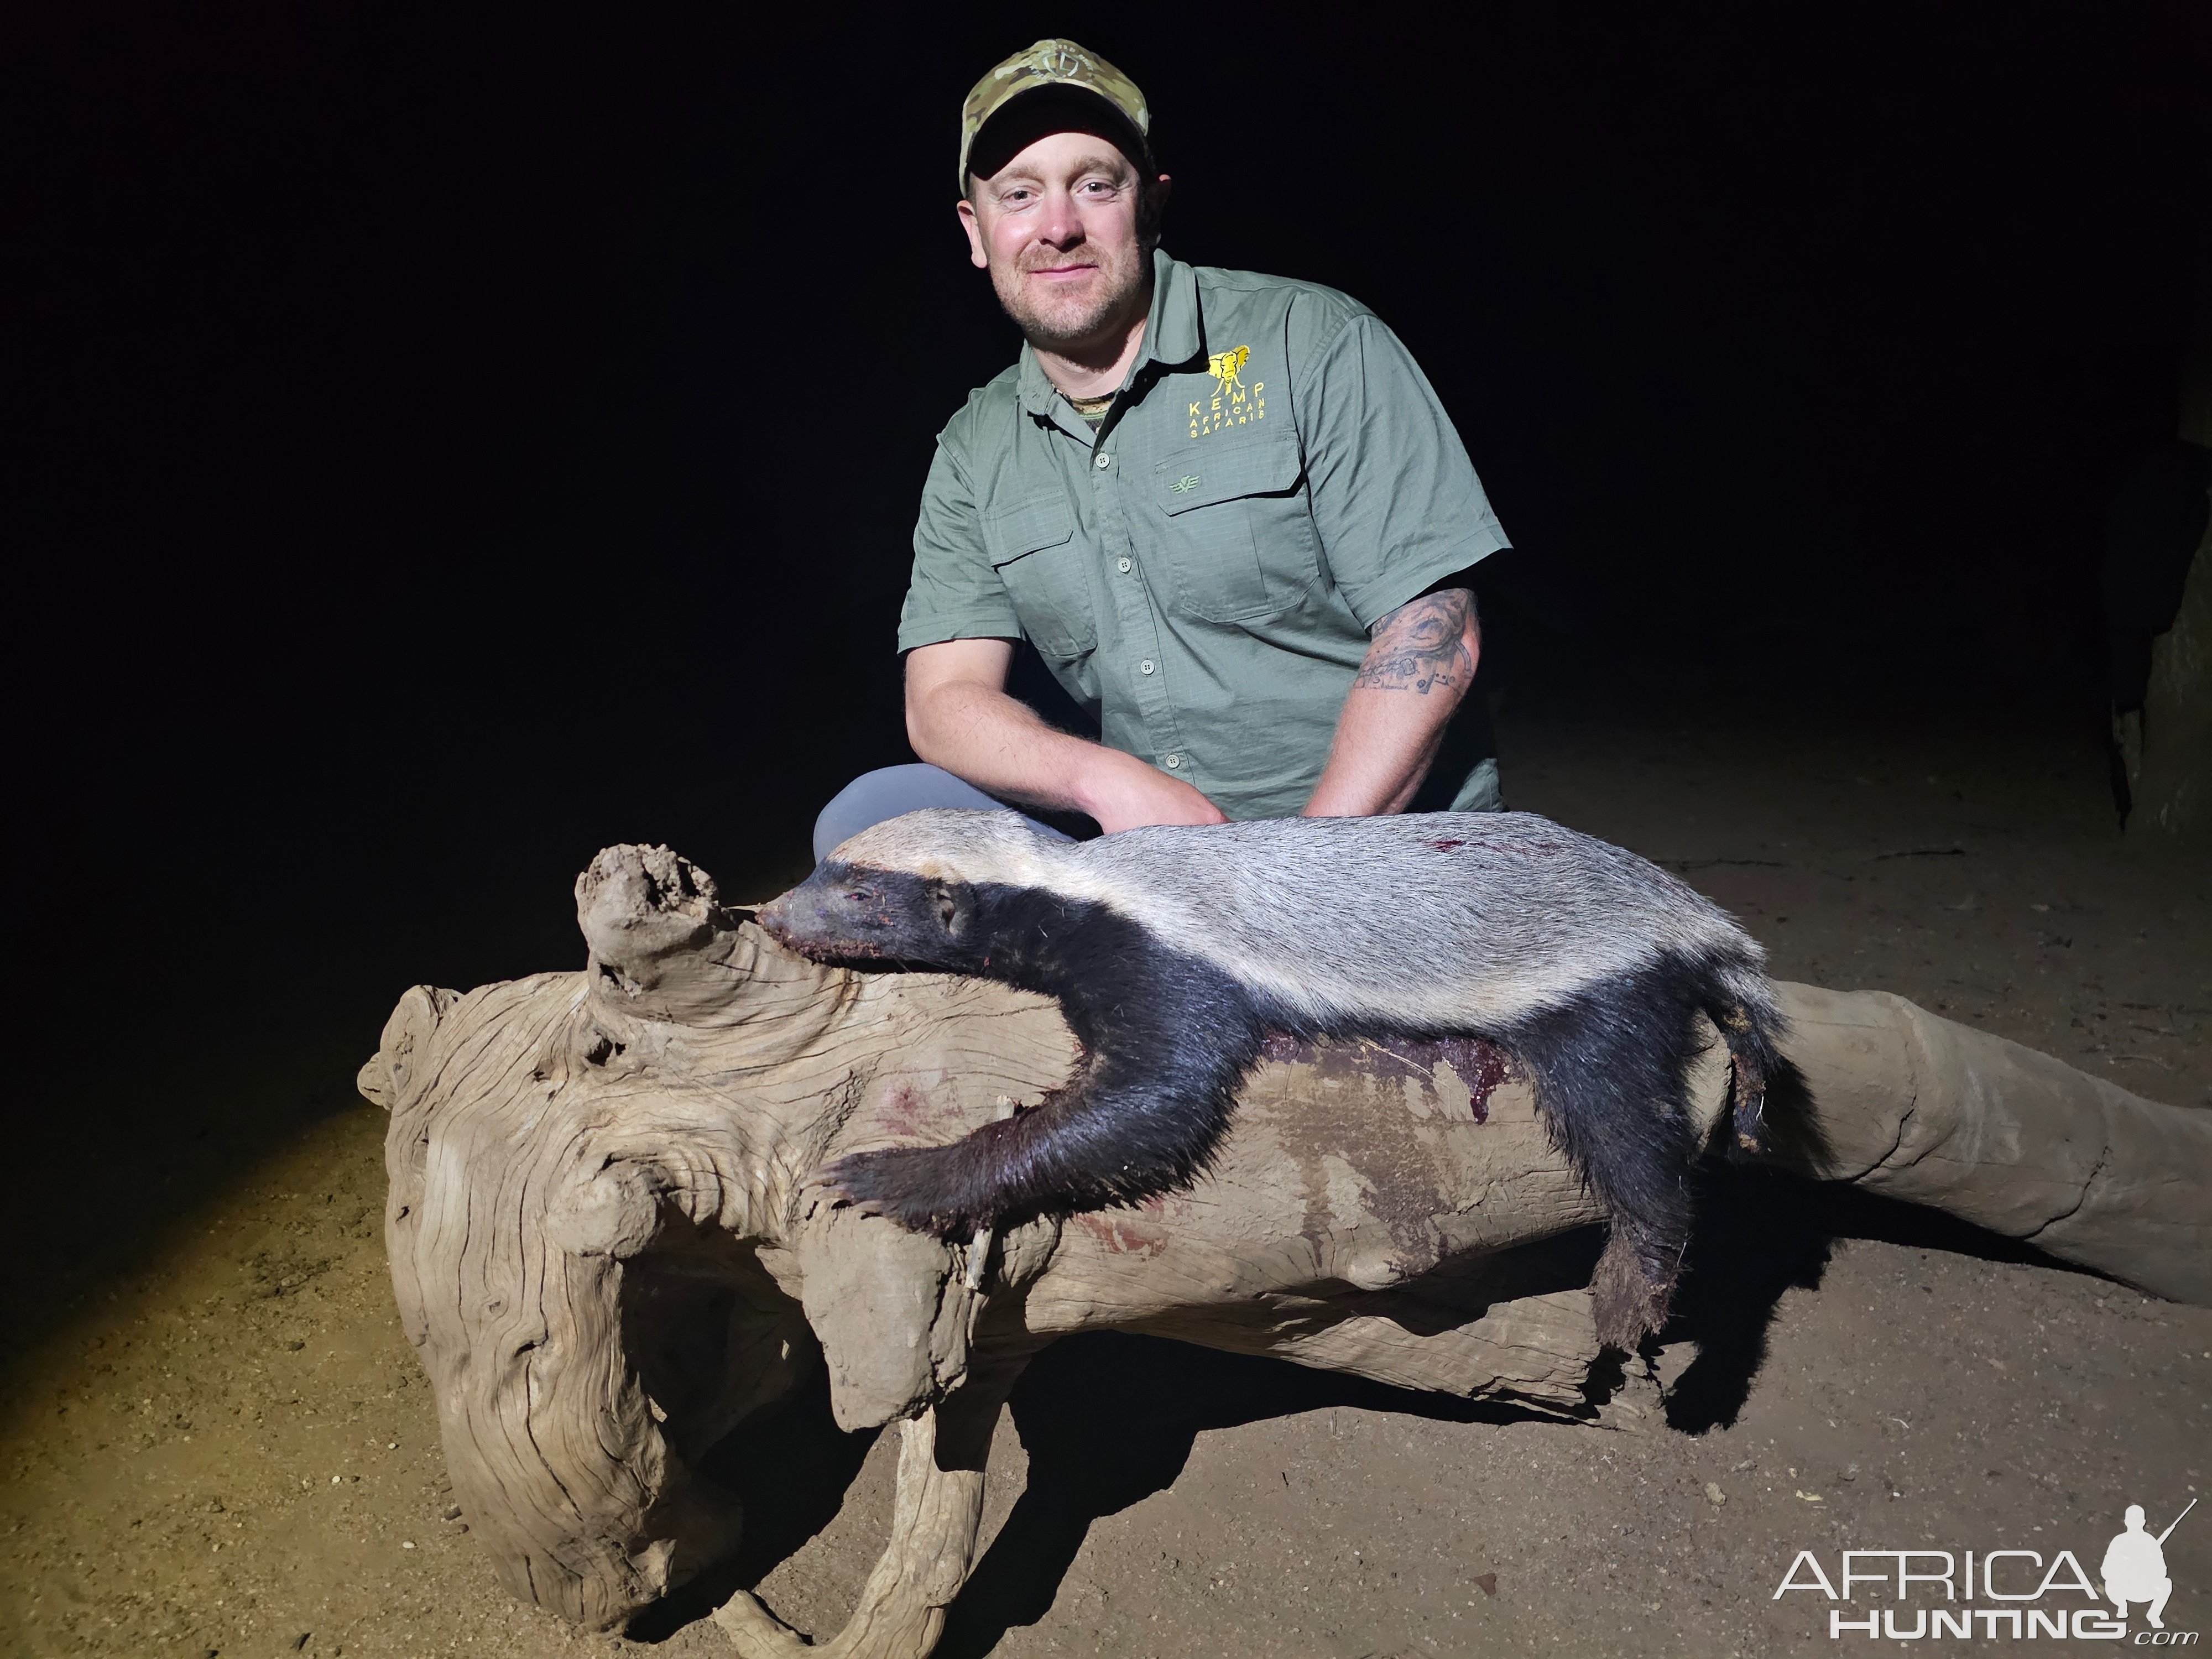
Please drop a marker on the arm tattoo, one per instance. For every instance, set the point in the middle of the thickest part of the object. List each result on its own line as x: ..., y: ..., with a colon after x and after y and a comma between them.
x: 1422, y: 644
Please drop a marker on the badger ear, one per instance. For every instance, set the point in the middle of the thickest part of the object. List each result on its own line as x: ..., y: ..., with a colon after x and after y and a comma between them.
x: 956, y: 906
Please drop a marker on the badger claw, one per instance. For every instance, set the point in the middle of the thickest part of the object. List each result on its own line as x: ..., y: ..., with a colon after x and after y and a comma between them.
x: 904, y: 1184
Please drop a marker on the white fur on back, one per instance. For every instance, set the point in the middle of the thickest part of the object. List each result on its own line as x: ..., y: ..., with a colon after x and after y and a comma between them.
x: 1434, y: 919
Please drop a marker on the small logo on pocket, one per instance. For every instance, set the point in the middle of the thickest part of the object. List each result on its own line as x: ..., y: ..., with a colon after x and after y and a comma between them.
x: 1232, y: 403
x: 1185, y: 484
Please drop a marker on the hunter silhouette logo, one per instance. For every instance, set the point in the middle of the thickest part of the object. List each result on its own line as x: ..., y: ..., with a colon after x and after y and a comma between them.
x: 1224, y: 365
x: 1997, y: 1594
x: 2134, y: 1569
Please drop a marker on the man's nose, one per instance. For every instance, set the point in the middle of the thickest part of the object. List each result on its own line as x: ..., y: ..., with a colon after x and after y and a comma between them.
x: 1062, y: 225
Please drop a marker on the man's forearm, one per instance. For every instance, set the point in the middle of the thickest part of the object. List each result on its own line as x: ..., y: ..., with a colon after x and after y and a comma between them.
x: 998, y: 743
x: 1420, y: 664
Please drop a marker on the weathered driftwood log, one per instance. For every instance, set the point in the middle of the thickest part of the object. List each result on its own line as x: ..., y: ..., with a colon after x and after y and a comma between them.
x: 604, y: 1242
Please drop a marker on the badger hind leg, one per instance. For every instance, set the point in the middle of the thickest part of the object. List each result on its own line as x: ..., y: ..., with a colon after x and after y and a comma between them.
x: 1143, y: 1116
x: 1632, y: 1289
x: 1609, y: 1068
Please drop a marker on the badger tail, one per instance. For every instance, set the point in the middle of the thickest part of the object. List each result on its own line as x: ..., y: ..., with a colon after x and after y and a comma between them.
x: 1751, y: 1025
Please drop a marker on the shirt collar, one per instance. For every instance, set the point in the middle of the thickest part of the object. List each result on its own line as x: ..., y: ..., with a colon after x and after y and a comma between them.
x: 1174, y: 332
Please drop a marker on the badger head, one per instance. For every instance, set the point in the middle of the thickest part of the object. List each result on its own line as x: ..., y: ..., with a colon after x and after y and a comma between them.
x: 858, y: 913
x: 903, y: 891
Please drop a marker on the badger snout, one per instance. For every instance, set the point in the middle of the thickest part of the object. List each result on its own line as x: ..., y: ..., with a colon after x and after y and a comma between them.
x: 830, y: 916
x: 777, y: 916
x: 845, y: 913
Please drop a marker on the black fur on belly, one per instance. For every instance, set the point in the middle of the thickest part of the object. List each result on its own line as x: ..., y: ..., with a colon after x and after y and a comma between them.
x: 1166, y: 1039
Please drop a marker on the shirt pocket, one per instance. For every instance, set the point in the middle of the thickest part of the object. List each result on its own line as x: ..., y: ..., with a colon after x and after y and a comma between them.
x: 1032, y: 546
x: 1237, y: 536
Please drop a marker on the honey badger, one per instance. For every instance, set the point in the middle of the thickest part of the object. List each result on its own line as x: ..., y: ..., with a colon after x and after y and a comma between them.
x: 1174, y: 950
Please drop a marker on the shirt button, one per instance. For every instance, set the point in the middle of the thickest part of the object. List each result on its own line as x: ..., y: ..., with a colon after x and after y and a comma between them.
x: 1174, y: 762
x: 1103, y: 461
x: 1122, y: 565
x: 1146, y: 666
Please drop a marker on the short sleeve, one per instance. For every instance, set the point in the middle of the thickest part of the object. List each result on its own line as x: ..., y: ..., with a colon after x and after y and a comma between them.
x: 954, y: 593
x: 1396, y: 500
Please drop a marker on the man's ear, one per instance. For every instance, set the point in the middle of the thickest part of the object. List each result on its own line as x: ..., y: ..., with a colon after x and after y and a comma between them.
x: 976, y: 256
x: 1152, y: 208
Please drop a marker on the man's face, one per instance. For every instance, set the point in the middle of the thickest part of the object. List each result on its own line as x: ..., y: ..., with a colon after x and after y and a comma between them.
x: 1056, y: 227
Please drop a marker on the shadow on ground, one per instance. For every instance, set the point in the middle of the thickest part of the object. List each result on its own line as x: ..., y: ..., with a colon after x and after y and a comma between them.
x: 1759, y: 1233
x: 1108, y: 1418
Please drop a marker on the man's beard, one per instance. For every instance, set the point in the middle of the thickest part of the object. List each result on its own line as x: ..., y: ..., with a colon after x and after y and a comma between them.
x: 1070, y: 319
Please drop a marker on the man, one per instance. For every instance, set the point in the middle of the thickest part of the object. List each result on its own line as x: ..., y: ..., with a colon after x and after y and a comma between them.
x: 1226, y: 509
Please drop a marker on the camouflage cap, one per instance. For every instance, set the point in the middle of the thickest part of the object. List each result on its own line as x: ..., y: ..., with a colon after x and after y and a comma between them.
x: 1048, y: 64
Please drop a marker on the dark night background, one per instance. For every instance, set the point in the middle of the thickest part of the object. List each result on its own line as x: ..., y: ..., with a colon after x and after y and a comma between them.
x: 438, y: 445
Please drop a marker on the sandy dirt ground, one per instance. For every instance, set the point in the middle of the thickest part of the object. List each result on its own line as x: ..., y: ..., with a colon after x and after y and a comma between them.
x: 228, y: 1449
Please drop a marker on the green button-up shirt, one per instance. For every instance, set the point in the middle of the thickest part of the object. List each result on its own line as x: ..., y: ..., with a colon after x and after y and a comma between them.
x: 1275, y: 476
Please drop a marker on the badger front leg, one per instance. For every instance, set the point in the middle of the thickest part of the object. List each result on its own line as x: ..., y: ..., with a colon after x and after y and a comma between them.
x: 953, y: 1191
x: 1142, y: 1117
x: 1088, y: 1147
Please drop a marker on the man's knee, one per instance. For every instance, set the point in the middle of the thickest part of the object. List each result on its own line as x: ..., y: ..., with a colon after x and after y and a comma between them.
x: 888, y: 791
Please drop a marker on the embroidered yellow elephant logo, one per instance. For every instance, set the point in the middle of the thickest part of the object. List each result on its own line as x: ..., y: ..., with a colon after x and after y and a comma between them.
x: 1224, y: 365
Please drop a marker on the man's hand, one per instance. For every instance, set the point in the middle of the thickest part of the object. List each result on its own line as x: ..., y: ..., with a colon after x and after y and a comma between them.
x: 1419, y: 664
x: 959, y: 716
x: 1123, y: 793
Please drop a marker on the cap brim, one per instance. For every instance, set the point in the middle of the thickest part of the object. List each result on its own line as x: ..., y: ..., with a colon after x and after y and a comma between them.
x: 998, y: 141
